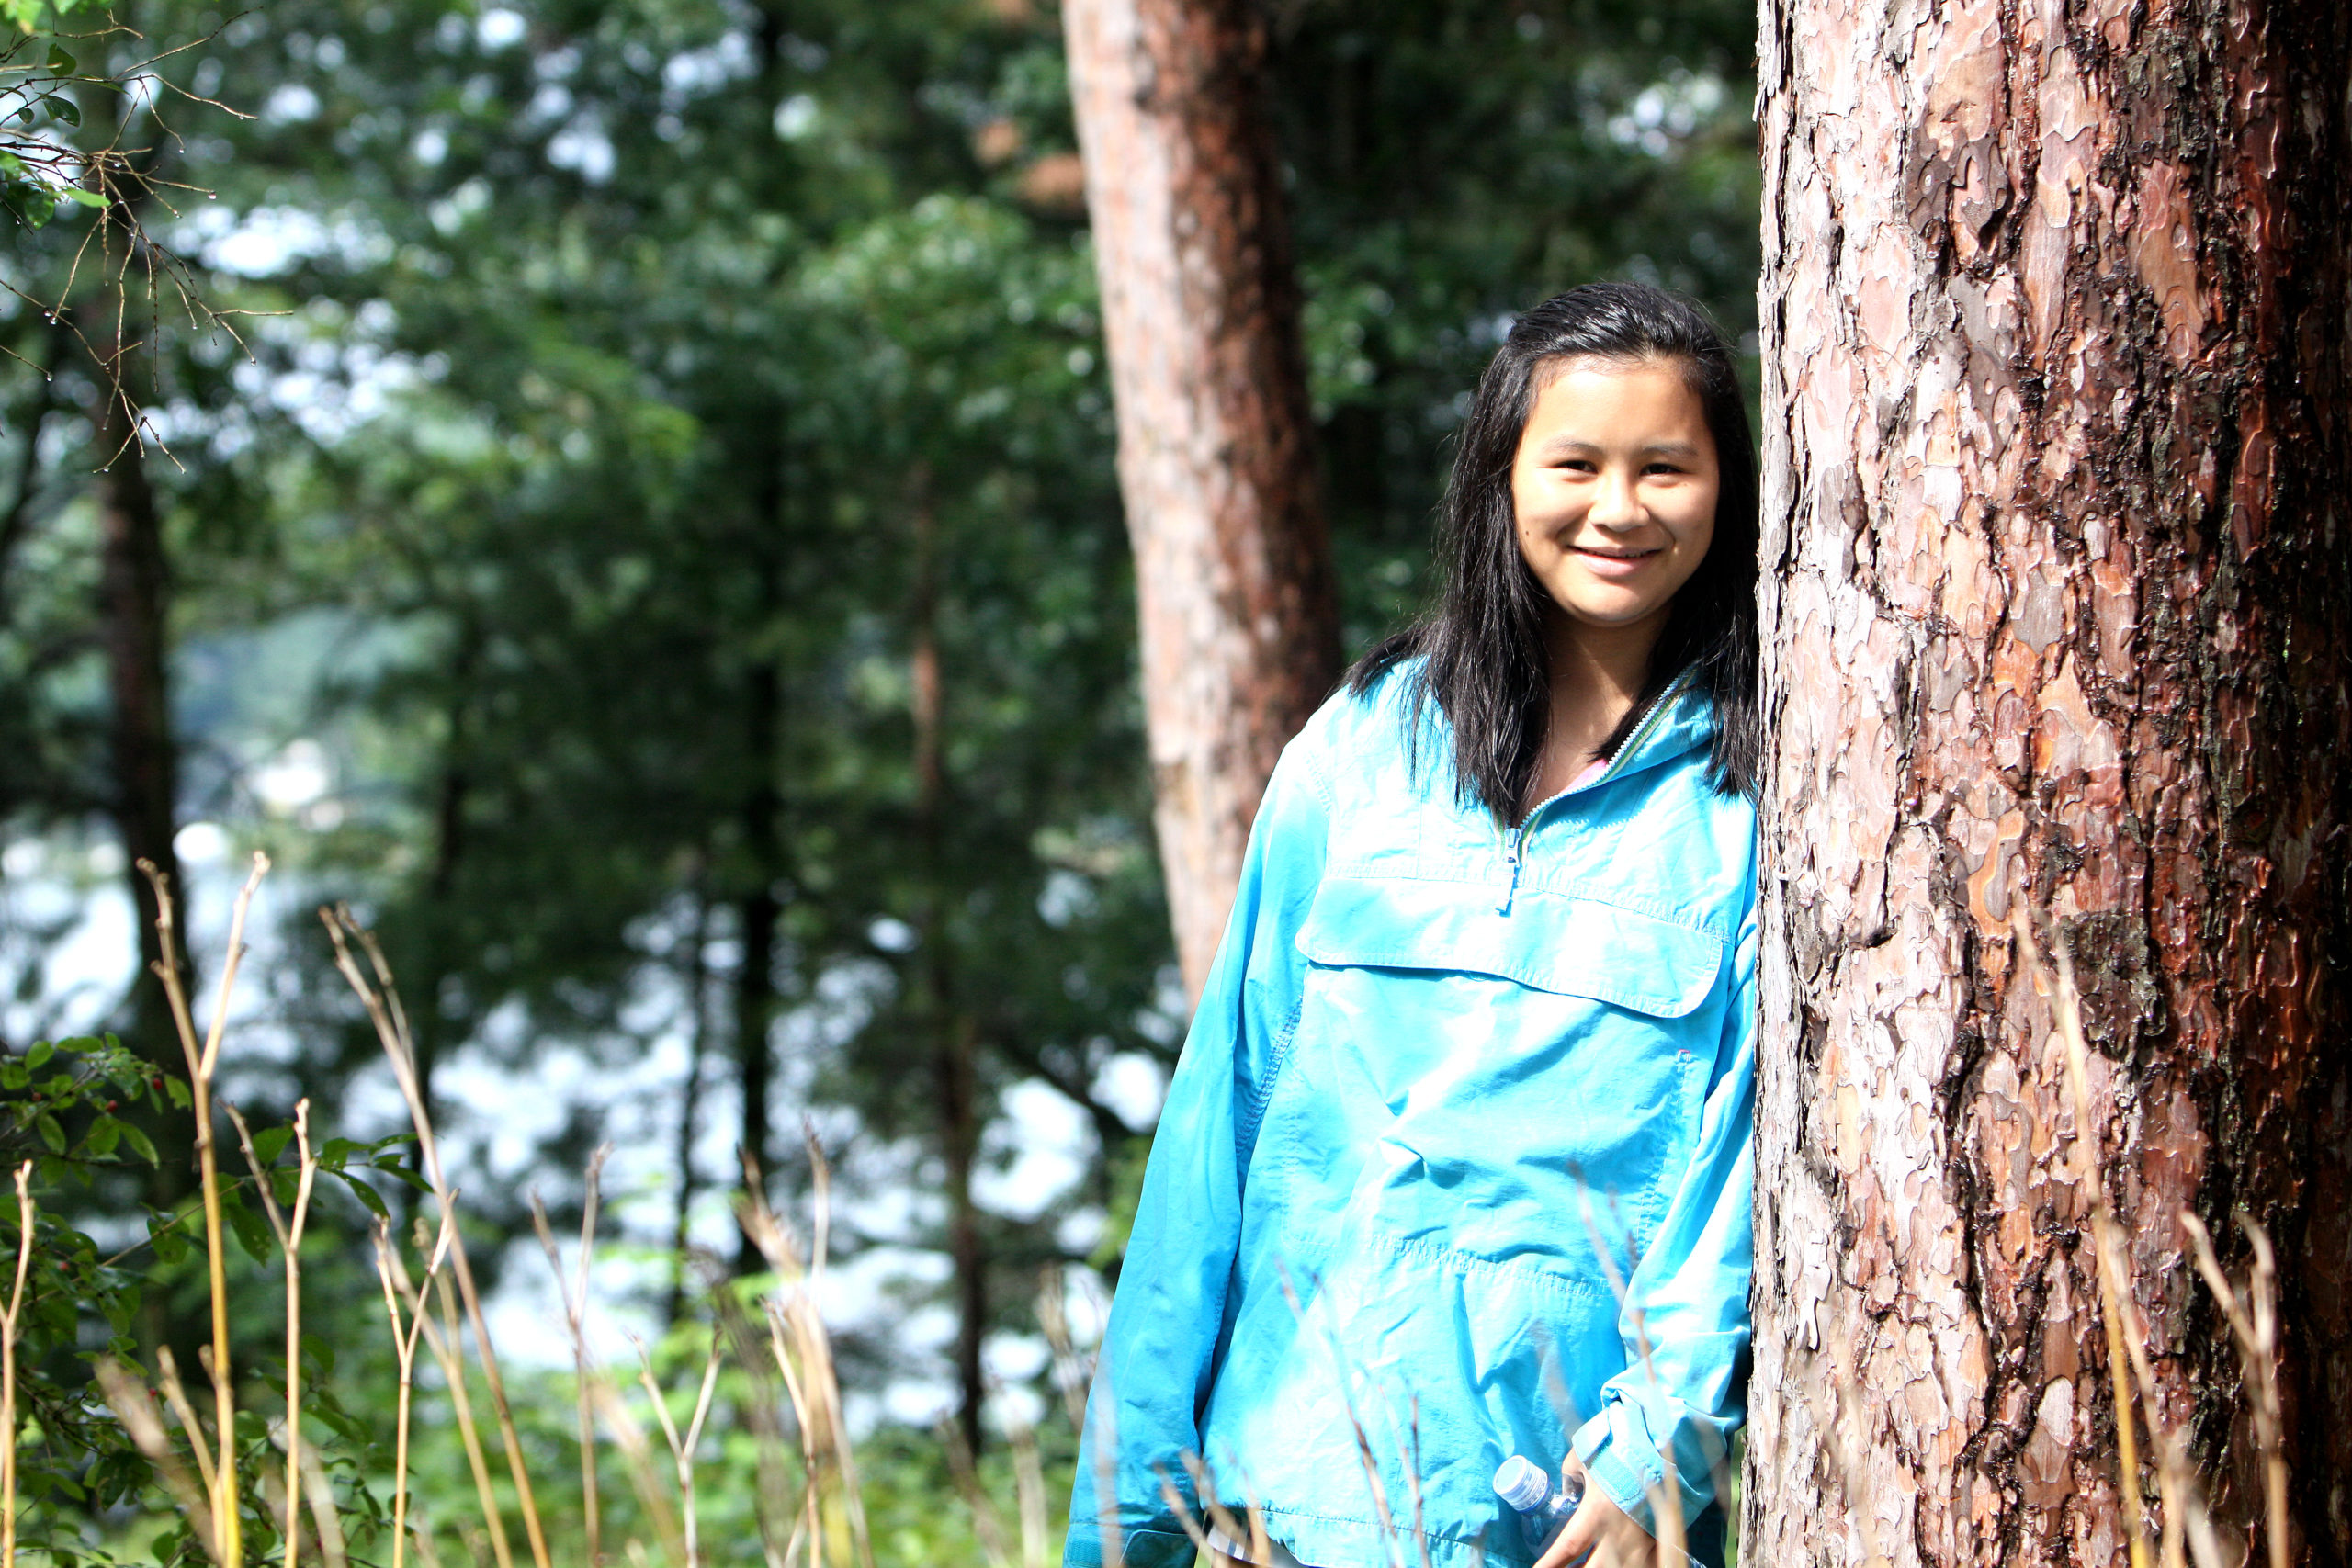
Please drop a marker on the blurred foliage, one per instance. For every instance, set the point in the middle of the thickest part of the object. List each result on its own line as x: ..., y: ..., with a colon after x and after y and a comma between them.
x: 547, y: 491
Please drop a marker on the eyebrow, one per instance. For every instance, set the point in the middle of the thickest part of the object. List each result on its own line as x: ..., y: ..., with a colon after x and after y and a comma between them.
x: 1570, y: 447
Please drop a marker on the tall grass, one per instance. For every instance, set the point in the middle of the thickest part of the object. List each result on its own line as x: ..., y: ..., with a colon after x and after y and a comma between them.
x: 809, y: 1507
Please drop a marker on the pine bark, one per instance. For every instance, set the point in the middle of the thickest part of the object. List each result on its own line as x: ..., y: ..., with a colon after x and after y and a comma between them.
x: 1216, y: 461
x: 2058, y: 441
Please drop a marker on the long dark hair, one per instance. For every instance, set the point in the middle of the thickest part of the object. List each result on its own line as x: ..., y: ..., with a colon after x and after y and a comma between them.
x: 1483, y: 653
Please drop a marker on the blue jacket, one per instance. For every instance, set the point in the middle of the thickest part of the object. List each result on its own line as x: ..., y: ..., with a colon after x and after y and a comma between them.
x: 1464, y: 1117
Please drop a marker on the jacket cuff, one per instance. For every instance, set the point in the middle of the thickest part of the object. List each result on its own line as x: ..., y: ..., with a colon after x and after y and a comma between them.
x: 1622, y: 1457
x: 1140, y: 1547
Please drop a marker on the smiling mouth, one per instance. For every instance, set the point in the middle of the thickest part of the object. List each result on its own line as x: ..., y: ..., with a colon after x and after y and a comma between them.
x: 1614, y: 555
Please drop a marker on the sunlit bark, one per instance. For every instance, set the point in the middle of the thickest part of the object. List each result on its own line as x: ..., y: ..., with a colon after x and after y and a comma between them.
x: 1216, y: 465
x: 2058, y: 434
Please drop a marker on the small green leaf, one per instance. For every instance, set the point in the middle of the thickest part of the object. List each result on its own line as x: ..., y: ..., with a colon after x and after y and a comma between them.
x: 12, y: 1075
x: 62, y: 63
x: 51, y: 1132
x: 85, y: 197
x: 64, y: 108
x: 253, y: 1232
x: 105, y: 1133
x: 270, y: 1142
x: 39, y: 1056
x: 139, y: 1144
x: 367, y: 1195
x: 177, y: 1088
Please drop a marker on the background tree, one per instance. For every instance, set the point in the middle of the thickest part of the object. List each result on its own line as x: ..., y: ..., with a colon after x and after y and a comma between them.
x: 603, y: 347
x: 2059, y: 434
x: 1239, y: 611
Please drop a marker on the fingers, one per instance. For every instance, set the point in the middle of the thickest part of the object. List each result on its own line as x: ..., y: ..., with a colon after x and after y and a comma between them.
x: 1572, y: 1544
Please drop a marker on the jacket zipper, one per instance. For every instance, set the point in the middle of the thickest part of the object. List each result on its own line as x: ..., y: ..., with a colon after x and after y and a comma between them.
x: 1515, y: 844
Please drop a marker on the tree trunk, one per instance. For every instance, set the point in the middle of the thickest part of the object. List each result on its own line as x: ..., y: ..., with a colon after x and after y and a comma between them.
x: 2056, y: 588
x: 696, y: 981
x: 955, y: 1065
x: 759, y: 912
x: 1217, y: 464
x: 133, y: 591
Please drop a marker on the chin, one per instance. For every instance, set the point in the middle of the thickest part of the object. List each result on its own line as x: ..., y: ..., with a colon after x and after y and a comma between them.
x: 1611, y: 616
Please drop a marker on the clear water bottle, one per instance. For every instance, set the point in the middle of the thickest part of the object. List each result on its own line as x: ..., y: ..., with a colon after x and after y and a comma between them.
x: 1542, y: 1511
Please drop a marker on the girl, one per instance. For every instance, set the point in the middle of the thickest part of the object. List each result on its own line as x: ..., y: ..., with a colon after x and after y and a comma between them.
x: 1456, y: 1162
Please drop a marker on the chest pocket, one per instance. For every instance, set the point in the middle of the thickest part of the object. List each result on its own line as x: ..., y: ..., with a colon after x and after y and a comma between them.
x: 1551, y: 941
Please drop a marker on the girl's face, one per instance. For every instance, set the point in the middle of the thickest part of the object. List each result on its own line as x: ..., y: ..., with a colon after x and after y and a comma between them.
x: 1614, y: 488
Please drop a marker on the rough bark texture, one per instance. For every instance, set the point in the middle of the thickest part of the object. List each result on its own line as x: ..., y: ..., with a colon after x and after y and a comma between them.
x: 2056, y: 595
x: 2056, y: 604
x: 1216, y: 465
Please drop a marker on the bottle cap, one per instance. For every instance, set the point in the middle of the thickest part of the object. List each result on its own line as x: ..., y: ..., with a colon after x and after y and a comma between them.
x: 1522, y: 1484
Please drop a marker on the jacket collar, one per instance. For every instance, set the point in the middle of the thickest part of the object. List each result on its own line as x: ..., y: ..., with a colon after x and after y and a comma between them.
x: 1682, y: 720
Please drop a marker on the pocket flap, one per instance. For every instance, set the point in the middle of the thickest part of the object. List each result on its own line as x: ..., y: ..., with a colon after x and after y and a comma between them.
x: 1553, y: 942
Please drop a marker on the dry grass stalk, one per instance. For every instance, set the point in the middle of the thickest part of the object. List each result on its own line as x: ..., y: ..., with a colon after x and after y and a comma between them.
x: 289, y: 1241
x: 2111, y: 1265
x: 1029, y: 1493
x: 804, y: 1351
x: 2256, y: 1331
x: 682, y: 1447
x: 323, y: 1515
x: 176, y: 1400
x: 575, y: 1317
x: 2187, y: 1530
x: 771, y: 1507
x: 377, y: 995
x: 1069, y: 1366
x: 132, y: 1405
x: 637, y: 1457
x: 1341, y: 1369
x: 1666, y: 1497
x: 445, y: 1340
x: 985, y: 1526
x: 404, y: 1337
x: 202, y: 1061
x: 8, y: 1365
x: 1071, y: 1375
x: 1233, y: 1529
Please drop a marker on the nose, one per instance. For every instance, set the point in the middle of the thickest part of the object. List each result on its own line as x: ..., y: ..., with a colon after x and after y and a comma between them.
x: 1613, y: 504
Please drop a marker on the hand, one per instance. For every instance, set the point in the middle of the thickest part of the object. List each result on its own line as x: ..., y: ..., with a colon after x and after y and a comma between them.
x: 1599, y: 1533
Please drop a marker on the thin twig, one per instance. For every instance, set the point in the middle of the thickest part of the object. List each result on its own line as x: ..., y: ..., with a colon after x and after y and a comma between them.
x: 129, y: 1400
x: 2114, y: 1280
x: 382, y: 1002
x: 575, y: 1316
x: 201, y: 1062
x: 404, y: 1337
x: 289, y: 1241
x: 9, y: 1366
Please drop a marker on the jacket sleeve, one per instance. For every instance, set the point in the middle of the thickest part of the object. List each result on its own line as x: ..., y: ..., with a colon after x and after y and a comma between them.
x: 1688, y: 1298
x: 1159, y: 1355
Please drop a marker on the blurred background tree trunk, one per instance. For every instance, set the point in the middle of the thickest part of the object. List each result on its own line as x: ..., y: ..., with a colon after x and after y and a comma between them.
x: 1216, y: 459
x: 2058, y: 434
x: 134, y: 616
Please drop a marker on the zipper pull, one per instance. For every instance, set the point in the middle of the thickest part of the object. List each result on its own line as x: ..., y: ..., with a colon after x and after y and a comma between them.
x: 1512, y: 853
